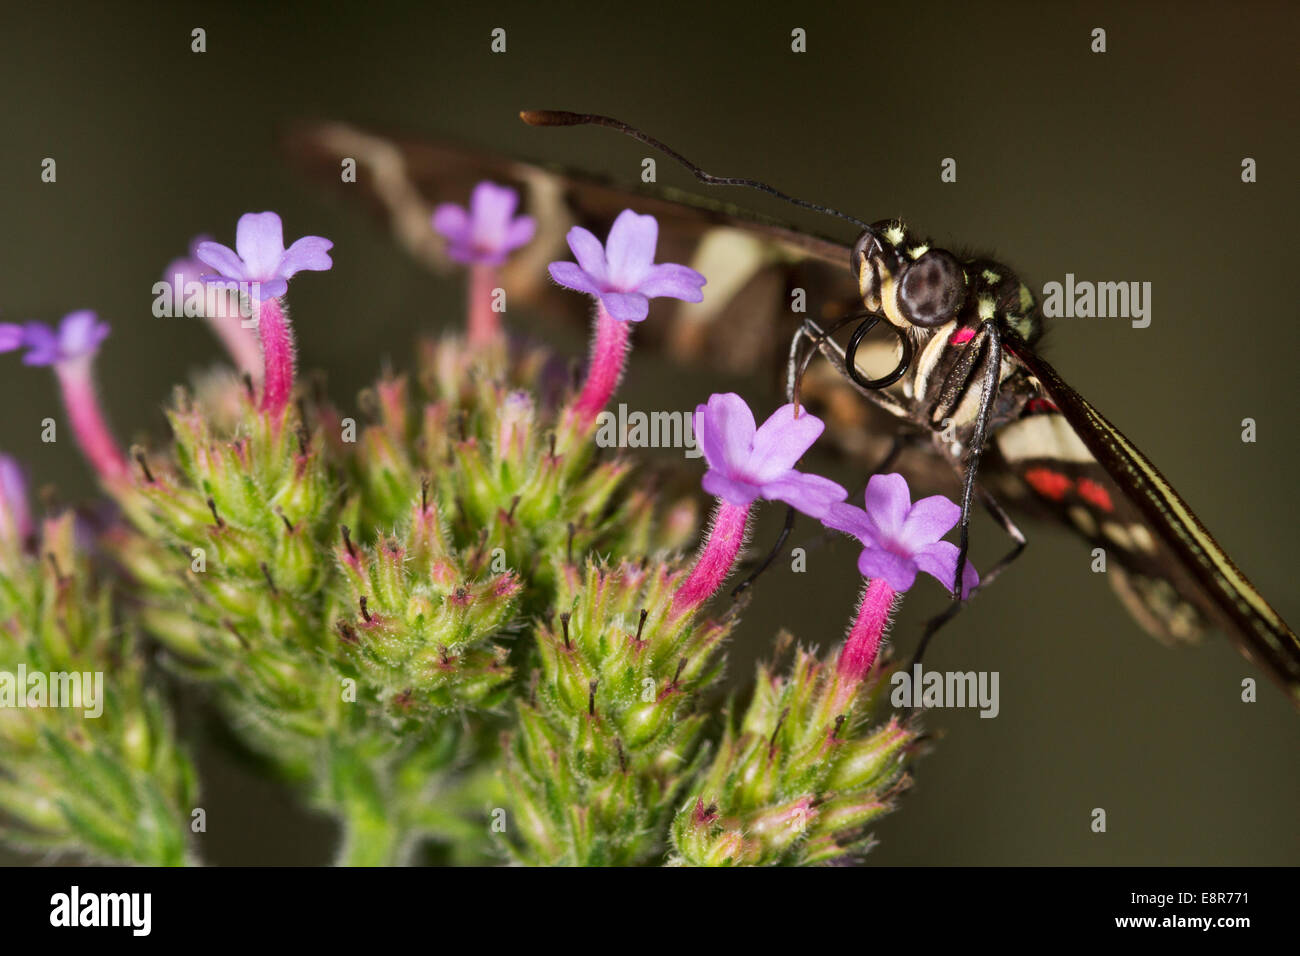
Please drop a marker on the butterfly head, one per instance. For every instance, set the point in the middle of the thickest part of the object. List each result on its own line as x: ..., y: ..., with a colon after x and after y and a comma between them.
x: 908, y: 280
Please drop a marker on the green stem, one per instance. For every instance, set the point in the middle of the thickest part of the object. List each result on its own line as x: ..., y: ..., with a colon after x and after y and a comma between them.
x: 370, y: 839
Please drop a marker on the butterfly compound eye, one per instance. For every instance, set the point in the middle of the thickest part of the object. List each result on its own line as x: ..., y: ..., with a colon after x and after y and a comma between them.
x: 932, y: 289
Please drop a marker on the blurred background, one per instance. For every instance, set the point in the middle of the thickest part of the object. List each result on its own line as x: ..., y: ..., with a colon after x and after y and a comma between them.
x: 1117, y: 166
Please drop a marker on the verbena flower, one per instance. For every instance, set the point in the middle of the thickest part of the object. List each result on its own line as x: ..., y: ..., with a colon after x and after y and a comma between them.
x: 623, y: 278
x: 901, y: 538
x: 747, y: 462
x: 70, y: 350
x: 481, y: 237
x: 263, y: 267
x: 260, y: 259
x: 488, y: 230
x: 77, y: 336
x: 622, y: 273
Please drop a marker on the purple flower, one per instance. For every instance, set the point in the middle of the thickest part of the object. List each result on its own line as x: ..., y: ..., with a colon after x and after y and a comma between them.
x: 622, y: 274
x: 747, y: 462
x: 489, y: 230
x: 261, y: 256
x: 902, y: 538
x: 15, y: 517
x: 78, y: 336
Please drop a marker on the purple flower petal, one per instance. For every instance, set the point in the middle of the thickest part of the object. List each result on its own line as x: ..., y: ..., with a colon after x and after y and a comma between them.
x: 888, y: 499
x: 11, y: 336
x: 626, y: 306
x: 673, y: 280
x: 725, y: 429
x: 899, y: 537
x: 452, y: 222
x: 15, y: 515
x: 851, y: 520
x: 13, y: 485
x: 747, y: 462
x: 624, y: 266
x: 928, y: 521
x: 80, y: 334
x: 572, y: 276
x: 488, y: 230
x: 728, y: 489
x: 260, y: 256
x: 898, y: 573
x: 630, y: 249
x: 939, y: 560
x: 259, y: 240
x: 42, y: 344
x: 520, y: 232
x: 310, y: 253
x: 782, y: 441
x: 811, y: 494
x: 589, y: 253
x: 490, y: 209
x: 221, y: 258
x: 270, y: 289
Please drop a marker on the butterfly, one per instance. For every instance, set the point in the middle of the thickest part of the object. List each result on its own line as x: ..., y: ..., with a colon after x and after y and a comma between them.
x: 931, y: 360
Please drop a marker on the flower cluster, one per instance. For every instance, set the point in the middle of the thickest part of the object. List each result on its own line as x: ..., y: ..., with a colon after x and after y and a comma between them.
x: 98, y: 773
x: 456, y: 621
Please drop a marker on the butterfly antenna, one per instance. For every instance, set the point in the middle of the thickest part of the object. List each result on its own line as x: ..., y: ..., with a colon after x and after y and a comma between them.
x: 565, y: 118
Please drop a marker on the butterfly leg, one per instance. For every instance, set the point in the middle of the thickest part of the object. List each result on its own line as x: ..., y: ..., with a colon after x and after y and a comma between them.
x: 1013, y: 531
x: 763, y: 565
x: 820, y: 340
x: 988, y: 343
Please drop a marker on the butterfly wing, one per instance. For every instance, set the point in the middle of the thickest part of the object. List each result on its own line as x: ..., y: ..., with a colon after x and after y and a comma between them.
x: 754, y: 265
x: 1173, y: 576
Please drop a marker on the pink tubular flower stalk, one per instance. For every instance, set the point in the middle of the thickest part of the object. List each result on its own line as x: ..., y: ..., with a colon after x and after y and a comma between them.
x: 260, y: 266
x: 481, y: 237
x: 70, y: 350
x: 87, y: 418
x: 622, y: 276
x: 863, y: 646
x: 717, y: 558
x: 277, y: 355
x: 900, y: 539
x: 608, y: 355
x: 484, y: 324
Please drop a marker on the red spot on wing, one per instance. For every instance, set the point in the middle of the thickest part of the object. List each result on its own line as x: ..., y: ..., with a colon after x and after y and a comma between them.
x: 1095, y: 494
x: 1039, y: 405
x: 962, y: 336
x: 1048, y: 483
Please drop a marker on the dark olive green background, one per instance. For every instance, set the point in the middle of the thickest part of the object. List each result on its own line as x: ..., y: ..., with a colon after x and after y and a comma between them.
x: 1122, y: 166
